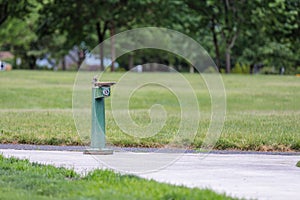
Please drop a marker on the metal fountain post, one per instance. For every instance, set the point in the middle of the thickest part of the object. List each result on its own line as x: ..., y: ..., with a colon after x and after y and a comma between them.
x: 100, y: 91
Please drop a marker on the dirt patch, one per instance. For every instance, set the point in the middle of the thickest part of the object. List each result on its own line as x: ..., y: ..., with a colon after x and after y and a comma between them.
x: 268, y: 148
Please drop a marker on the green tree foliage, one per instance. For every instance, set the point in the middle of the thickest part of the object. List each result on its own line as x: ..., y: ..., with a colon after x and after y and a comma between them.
x: 245, y: 32
x: 273, y: 39
x: 17, y: 30
x: 13, y: 8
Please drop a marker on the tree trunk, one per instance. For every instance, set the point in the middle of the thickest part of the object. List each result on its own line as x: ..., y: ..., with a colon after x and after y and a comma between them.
x: 63, y: 63
x: 4, y: 12
x: 251, y: 68
x: 112, y: 46
x: 81, y: 57
x: 227, y: 37
x: 100, y: 40
x: 32, y: 64
x: 130, y: 64
x: 151, y: 67
x: 216, y: 45
x: 192, y: 69
x: 228, y: 64
x: 227, y: 51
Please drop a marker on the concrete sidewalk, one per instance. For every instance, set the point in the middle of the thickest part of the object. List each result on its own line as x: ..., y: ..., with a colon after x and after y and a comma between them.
x: 239, y: 175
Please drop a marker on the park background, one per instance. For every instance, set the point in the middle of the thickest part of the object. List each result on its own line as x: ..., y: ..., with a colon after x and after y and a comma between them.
x: 241, y: 36
x: 44, y: 42
x: 245, y: 37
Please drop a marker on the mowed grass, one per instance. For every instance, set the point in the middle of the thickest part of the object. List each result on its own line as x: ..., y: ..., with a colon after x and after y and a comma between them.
x: 263, y: 112
x: 20, y: 179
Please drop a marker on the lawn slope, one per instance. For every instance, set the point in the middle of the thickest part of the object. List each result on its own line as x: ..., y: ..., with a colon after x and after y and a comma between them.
x: 20, y: 179
x: 262, y: 111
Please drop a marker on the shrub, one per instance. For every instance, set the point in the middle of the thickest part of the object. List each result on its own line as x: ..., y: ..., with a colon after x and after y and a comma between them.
x: 297, y: 70
x: 223, y: 71
x: 210, y: 70
x: 268, y: 70
x: 241, y: 69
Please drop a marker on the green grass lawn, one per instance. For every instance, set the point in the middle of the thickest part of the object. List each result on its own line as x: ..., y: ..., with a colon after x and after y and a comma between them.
x: 20, y: 179
x: 263, y: 112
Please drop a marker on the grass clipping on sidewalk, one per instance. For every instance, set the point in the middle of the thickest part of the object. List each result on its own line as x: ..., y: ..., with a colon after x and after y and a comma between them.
x: 298, y: 164
x: 20, y: 179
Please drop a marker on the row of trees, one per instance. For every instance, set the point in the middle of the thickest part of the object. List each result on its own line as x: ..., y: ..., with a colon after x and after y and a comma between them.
x: 233, y: 32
